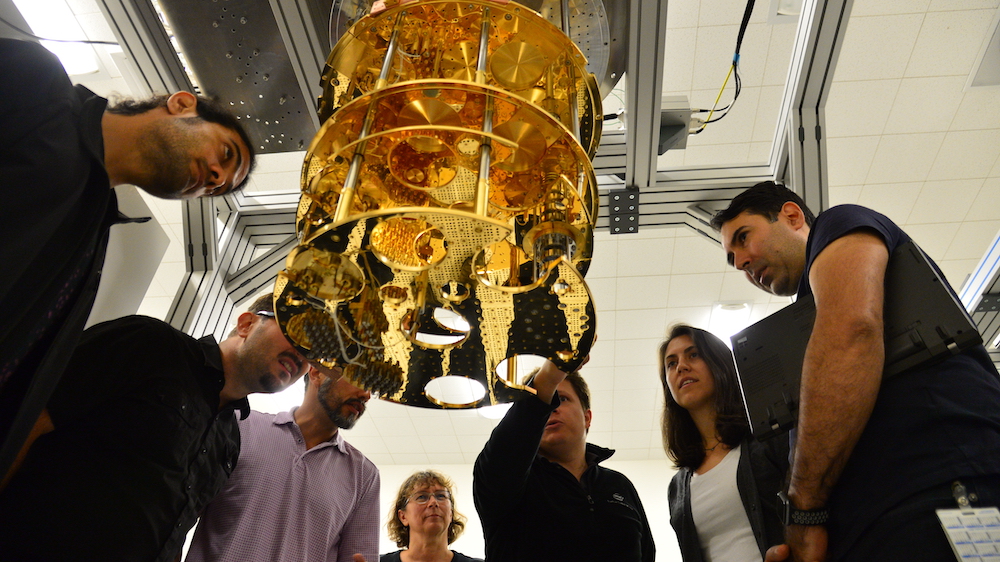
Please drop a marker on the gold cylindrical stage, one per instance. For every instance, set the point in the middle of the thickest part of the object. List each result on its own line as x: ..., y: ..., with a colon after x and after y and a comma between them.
x: 448, y: 202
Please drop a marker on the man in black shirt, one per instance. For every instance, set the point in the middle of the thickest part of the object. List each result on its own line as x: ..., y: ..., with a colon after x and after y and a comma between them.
x: 873, y: 456
x: 62, y: 150
x: 541, y: 492
x: 138, y: 437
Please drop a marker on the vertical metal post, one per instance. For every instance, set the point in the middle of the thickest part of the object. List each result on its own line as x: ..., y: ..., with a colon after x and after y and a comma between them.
x: 482, y: 201
x: 346, y: 200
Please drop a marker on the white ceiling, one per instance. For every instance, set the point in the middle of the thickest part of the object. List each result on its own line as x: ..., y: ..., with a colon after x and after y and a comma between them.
x: 904, y: 137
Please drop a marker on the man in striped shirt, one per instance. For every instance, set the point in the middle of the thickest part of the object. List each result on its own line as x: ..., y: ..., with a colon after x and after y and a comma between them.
x: 299, y: 491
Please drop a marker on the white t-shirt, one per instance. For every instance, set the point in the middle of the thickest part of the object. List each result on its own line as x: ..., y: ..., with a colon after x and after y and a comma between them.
x: 722, y: 523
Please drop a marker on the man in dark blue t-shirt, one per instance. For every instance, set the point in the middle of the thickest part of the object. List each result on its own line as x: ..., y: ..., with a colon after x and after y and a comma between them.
x: 873, y: 458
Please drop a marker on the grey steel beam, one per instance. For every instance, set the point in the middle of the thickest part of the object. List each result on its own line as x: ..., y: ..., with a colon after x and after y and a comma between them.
x: 137, y: 27
x: 814, y: 58
x: 647, y: 33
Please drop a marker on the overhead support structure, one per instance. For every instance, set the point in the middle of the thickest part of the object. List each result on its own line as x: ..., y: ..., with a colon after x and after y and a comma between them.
x: 981, y: 297
x: 801, y: 163
x: 142, y: 37
x: 647, y: 36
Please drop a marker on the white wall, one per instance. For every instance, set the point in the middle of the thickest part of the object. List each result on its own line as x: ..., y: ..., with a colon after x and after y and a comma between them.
x: 649, y: 477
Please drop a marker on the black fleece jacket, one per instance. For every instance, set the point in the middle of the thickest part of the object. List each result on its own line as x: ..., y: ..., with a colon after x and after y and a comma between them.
x: 533, y: 509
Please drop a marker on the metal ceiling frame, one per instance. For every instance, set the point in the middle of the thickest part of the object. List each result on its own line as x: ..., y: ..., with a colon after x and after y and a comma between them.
x: 224, y: 237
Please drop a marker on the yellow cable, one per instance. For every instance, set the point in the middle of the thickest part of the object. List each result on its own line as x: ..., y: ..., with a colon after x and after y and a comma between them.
x: 719, y: 97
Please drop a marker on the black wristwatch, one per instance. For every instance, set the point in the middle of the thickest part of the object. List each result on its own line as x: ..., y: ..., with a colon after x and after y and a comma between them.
x: 791, y: 516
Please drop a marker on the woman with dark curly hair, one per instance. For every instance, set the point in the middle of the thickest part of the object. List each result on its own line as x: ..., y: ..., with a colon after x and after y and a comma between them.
x: 423, y: 520
x: 721, y: 468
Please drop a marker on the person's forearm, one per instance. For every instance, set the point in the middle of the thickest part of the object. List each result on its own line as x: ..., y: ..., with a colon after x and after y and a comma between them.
x: 840, y: 381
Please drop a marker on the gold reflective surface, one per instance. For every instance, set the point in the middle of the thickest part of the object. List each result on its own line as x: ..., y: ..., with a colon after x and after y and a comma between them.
x: 448, y: 203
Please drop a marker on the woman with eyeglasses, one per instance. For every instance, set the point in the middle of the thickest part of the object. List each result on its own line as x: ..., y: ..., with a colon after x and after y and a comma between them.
x: 423, y: 520
x: 723, y: 499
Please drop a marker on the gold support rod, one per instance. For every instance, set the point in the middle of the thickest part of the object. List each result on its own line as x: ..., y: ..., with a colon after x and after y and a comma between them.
x: 482, y: 201
x: 346, y: 200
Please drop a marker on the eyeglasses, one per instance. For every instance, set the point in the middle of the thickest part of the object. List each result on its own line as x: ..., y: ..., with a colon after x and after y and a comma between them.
x: 422, y: 498
x: 265, y: 313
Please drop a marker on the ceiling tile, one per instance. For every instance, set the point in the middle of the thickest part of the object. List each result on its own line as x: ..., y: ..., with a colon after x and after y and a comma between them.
x: 894, y: 200
x: 678, y: 58
x: 714, y: 51
x: 944, y: 201
x: 439, y: 443
x: 760, y: 153
x: 632, y: 400
x: 967, y: 154
x: 644, y: 257
x: 369, y: 445
x: 698, y: 255
x: 625, y: 440
x: 949, y: 5
x: 933, y: 238
x: 766, y: 121
x: 720, y: 12
x: 957, y: 271
x: 779, y: 55
x: 689, y: 290
x: 604, y: 290
x: 604, y: 262
x: 402, y: 444
x: 473, y: 443
x: 736, y: 288
x: 980, y: 109
x: 280, y: 162
x: 987, y: 203
x: 859, y: 108
x: 84, y: 6
x: 599, y: 379
x: 643, y: 377
x: 632, y: 420
x: 447, y: 458
x: 691, y: 315
x: 850, y: 159
x: 887, y: 7
x: 682, y: 13
x: 892, y: 37
x: 904, y: 158
x: 935, y: 100
x: 972, y: 240
x: 638, y: 323
x: 637, y: 352
x: 409, y: 458
x: 642, y: 292
x: 380, y: 459
x: 396, y: 427
x: 844, y: 194
x: 963, y: 33
x: 607, y: 324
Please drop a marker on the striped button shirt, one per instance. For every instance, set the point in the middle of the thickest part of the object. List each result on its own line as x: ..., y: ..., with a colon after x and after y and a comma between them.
x: 286, y: 503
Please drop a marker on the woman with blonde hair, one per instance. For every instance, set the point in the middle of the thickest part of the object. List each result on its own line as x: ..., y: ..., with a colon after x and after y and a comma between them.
x: 423, y: 520
x: 723, y: 503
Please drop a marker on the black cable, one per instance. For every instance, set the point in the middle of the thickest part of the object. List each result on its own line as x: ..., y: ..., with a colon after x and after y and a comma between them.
x: 33, y: 36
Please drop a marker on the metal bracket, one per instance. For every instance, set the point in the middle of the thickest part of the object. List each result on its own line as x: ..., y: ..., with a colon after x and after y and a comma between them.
x: 623, y: 211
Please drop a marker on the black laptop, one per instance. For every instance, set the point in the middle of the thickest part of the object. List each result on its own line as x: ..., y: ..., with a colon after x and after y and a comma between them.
x: 924, y: 322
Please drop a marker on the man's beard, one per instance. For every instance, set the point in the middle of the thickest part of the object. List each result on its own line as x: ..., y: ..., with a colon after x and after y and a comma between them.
x: 334, y: 411
x: 166, y: 153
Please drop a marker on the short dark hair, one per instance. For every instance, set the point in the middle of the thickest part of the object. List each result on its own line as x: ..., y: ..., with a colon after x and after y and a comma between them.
x: 681, y: 439
x: 264, y: 303
x: 209, y: 109
x: 575, y: 380
x: 765, y: 199
x: 400, y: 533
